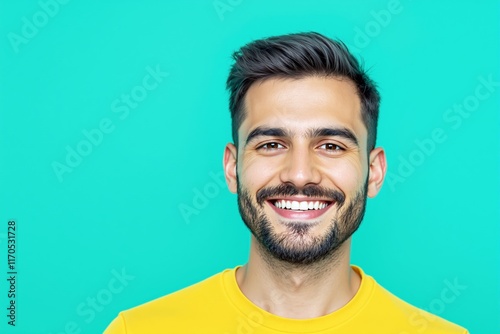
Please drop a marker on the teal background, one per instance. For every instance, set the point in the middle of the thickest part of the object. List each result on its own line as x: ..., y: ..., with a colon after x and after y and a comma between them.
x: 120, y: 208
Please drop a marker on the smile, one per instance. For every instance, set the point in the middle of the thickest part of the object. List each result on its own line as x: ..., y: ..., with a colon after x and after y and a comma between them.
x: 301, y: 206
x: 297, y: 209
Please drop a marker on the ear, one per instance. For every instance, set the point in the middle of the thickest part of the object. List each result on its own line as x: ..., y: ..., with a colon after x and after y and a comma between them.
x: 377, y: 170
x: 230, y: 158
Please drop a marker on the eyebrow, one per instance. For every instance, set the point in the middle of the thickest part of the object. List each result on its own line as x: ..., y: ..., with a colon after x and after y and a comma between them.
x: 311, y: 133
x: 262, y: 131
x: 334, y: 132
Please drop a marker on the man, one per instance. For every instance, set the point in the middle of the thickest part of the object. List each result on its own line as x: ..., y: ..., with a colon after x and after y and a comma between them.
x: 304, y: 122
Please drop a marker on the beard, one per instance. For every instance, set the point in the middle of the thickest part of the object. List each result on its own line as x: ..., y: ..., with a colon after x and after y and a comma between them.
x: 296, y: 245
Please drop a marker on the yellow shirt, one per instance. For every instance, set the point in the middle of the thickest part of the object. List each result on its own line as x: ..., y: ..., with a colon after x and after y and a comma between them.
x: 216, y: 305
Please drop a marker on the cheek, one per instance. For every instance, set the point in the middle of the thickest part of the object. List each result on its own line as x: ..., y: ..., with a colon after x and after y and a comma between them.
x: 347, y: 174
x: 256, y: 173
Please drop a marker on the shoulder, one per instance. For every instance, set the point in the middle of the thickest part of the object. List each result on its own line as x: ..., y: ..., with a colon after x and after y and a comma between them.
x: 183, y: 304
x: 386, y: 305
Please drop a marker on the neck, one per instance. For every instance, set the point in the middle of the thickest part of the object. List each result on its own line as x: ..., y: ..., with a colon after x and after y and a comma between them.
x: 298, y: 291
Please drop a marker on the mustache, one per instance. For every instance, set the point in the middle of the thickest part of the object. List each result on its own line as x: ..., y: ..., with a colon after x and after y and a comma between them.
x: 288, y: 189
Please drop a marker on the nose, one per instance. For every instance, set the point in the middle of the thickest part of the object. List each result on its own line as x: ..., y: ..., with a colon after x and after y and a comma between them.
x: 300, y: 168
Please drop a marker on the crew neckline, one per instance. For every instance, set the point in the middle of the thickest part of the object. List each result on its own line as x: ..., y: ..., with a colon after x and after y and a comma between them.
x: 258, y: 317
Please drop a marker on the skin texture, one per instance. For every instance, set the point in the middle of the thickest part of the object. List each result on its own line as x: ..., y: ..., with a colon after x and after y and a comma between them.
x: 299, y: 265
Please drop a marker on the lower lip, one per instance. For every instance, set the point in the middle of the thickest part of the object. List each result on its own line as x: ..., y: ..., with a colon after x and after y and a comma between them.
x: 292, y: 214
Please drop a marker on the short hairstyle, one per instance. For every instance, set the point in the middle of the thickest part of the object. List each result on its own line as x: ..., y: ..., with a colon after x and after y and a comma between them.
x: 297, y: 56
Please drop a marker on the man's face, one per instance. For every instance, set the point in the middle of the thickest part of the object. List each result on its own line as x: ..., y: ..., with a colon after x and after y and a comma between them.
x: 301, y: 170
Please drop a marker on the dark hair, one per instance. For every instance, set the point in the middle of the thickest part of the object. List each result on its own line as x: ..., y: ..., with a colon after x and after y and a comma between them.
x: 296, y: 56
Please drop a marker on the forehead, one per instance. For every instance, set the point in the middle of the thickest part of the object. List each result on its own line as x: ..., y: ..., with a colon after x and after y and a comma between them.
x: 302, y: 104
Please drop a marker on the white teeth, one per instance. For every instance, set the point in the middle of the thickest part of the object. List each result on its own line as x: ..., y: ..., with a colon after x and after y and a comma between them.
x: 302, y: 206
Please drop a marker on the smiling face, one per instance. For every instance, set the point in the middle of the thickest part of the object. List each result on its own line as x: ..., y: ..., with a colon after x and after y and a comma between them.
x: 301, y: 169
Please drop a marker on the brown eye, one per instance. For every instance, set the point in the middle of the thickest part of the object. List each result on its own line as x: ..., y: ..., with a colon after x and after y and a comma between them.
x: 271, y: 146
x: 332, y: 147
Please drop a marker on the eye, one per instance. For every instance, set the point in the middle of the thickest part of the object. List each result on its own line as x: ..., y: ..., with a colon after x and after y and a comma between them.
x: 271, y: 146
x: 331, y: 147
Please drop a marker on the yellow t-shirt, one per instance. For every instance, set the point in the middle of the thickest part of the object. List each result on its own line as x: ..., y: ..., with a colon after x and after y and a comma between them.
x: 216, y: 305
